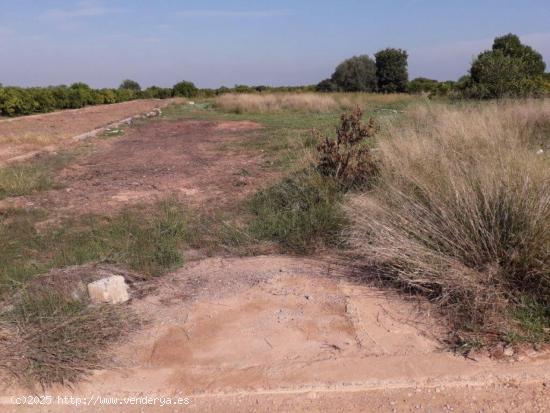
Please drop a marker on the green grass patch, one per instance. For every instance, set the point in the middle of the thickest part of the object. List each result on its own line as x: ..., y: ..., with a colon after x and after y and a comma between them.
x: 146, y: 239
x: 299, y: 212
x: 533, y: 323
x: 29, y: 177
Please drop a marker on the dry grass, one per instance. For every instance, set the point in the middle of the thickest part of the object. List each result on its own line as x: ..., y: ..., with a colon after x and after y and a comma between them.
x: 462, y: 211
x: 48, y: 339
x: 306, y: 102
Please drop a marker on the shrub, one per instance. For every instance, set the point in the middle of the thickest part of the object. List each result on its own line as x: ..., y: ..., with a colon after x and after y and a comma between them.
x: 184, y: 89
x: 462, y: 210
x: 298, y: 212
x: 422, y: 85
x: 357, y: 74
x: 391, y: 70
x: 347, y: 158
x: 156, y: 92
x: 130, y: 85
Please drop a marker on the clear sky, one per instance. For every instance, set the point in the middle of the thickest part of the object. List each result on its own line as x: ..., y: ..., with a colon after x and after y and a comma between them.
x: 227, y: 42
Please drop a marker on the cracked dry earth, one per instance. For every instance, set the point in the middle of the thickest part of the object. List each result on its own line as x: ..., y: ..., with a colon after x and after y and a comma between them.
x: 276, y: 333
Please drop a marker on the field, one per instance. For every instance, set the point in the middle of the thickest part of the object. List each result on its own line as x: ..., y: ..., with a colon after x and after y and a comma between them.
x: 266, y: 271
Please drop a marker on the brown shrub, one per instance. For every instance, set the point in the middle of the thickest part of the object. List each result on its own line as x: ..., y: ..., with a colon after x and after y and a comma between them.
x: 348, y: 158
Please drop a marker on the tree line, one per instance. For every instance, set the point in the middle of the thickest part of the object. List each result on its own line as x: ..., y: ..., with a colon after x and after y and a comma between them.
x: 16, y: 101
x: 508, y: 69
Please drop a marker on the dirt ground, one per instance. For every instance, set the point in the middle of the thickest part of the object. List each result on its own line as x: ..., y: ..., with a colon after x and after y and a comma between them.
x: 22, y: 135
x: 275, y: 333
x: 266, y: 333
x: 188, y: 159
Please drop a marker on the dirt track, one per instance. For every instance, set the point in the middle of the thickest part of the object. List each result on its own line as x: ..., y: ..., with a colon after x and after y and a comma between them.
x: 288, y: 334
x: 19, y: 136
x: 188, y: 159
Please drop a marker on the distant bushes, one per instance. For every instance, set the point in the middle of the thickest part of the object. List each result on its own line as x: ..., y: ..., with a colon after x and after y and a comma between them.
x: 17, y: 101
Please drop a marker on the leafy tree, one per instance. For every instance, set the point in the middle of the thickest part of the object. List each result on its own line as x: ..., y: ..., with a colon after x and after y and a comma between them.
x: 326, y: 85
x: 130, y: 85
x: 184, y: 89
x: 391, y: 70
x: 509, y: 69
x: 512, y: 46
x: 357, y: 74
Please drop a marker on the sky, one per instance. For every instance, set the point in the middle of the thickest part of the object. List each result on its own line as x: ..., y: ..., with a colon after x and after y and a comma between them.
x: 228, y: 42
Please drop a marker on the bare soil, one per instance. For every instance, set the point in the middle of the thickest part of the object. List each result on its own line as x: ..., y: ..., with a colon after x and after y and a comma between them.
x: 19, y: 136
x: 187, y: 159
x: 274, y: 333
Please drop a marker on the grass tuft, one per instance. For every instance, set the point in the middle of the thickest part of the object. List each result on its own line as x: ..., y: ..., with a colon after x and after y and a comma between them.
x: 50, y: 339
x: 29, y: 177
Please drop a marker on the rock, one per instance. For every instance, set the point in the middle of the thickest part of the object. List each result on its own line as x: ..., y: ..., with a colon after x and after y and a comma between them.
x: 508, y: 352
x: 112, y: 290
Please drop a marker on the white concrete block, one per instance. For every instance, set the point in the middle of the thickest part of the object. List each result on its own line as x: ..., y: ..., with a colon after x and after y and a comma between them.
x: 112, y: 290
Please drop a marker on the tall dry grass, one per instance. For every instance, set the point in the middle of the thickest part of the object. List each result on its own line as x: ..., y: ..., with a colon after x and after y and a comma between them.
x: 306, y: 102
x: 462, y: 211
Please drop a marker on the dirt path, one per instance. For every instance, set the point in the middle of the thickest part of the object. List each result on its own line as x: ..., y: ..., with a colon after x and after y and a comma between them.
x: 19, y: 136
x: 160, y: 158
x: 288, y: 334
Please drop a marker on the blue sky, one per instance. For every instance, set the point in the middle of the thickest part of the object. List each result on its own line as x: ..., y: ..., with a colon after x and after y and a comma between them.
x: 214, y: 42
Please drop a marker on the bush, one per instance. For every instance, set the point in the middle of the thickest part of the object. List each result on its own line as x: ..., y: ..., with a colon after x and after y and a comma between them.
x: 155, y: 92
x: 357, y: 74
x: 298, y: 212
x: 348, y: 159
x: 184, y: 89
x: 130, y: 85
x: 391, y: 70
x: 462, y: 210
x: 422, y: 85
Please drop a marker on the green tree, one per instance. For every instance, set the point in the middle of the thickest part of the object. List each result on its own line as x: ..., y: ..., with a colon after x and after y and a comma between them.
x: 130, y: 85
x: 391, y: 70
x: 357, y: 74
x: 184, y: 89
x: 509, y: 69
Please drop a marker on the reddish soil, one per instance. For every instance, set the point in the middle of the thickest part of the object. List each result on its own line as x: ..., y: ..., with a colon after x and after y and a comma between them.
x: 46, y: 132
x: 188, y: 159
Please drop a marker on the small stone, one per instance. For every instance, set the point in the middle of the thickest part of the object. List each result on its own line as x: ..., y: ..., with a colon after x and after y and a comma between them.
x: 508, y: 352
x: 111, y: 290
